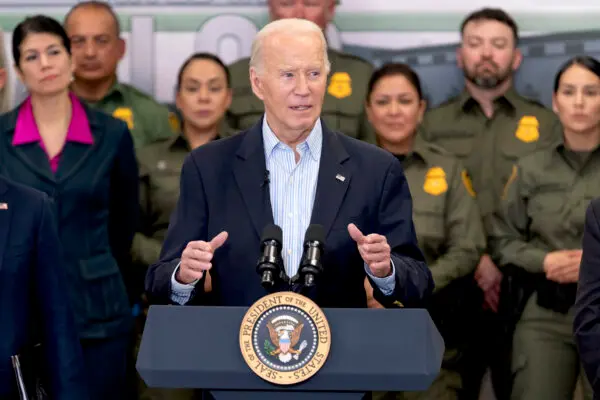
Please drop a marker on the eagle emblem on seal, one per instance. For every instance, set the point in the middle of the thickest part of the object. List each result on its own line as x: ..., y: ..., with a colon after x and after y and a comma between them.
x: 285, y: 332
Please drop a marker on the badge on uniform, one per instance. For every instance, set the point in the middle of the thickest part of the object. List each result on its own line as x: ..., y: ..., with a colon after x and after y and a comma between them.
x: 528, y: 130
x: 340, y: 85
x: 435, y: 181
x: 124, y: 114
x: 467, y: 182
x: 174, y: 122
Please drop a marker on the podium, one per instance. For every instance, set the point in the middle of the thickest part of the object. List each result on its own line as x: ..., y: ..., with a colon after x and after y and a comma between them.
x: 371, y: 350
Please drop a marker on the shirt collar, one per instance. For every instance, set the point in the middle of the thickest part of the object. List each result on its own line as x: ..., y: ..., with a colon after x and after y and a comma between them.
x: 508, y: 100
x: 314, y: 141
x: 26, y: 130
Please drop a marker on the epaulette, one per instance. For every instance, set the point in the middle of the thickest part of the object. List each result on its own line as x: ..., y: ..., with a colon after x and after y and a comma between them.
x: 447, y: 102
x: 354, y: 57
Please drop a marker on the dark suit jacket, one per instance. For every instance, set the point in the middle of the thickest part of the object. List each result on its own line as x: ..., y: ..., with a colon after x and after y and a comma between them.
x: 587, y: 303
x: 95, y: 194
x: 33, y: 292
x: 221, y: 189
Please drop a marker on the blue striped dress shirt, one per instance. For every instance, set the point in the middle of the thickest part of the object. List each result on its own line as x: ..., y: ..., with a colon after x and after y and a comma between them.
x: 292, y: 189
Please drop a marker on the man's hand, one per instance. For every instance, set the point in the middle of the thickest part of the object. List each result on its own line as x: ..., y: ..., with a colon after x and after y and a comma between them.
x: 196, y: 258
x: 374, y: 250
x: 489, y: 277
x: 563, y: 266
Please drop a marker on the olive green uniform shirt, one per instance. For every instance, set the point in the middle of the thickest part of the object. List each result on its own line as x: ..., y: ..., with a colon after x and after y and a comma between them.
x: 543, y: 207
x: 160, y: 166
x: 148, y: 120
x: 489, y: 148
x: 343, y: 108
x: 445, y: 213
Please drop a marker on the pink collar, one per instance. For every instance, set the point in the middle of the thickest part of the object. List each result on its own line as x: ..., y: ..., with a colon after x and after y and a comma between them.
x: 26, y: 130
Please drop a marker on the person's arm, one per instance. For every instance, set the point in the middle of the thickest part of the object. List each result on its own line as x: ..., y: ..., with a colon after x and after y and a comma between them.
x: 509, y: 227
x: 587, y: 304
x: 188, y: 223
x: 413, y: 281
x: 145, y: 248
x: 465, y: 239
x: 60, y: 340
x: 124, y: 212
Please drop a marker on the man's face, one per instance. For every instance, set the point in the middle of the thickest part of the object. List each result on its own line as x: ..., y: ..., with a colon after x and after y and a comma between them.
x: 318, y: 11
x: 488, y: 55
x: 95, y: 44
x: 291, y: 82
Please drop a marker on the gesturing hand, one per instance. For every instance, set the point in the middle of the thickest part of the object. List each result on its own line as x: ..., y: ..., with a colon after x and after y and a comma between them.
x: 196, y: 258
x: 374, y: 250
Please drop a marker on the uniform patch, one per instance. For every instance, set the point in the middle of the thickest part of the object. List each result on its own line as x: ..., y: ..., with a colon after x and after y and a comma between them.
x: 466, y: 179
x: 340, y: 85
x: 174, y: 122
x: 124, y: 114
x: 528, y: 130
x: 435, y: 181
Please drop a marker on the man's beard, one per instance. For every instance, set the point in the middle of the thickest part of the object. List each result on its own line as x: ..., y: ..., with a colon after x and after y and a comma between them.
x: 491, y: 80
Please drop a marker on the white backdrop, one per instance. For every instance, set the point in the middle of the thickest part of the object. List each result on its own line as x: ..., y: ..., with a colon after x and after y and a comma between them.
x: 160, y: 34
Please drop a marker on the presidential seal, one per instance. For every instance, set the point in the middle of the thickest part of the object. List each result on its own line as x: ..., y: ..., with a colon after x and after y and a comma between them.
x: 285, y: 338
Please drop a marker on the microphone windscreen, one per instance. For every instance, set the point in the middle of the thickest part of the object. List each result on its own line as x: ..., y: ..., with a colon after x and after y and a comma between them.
x: 315, y: 232
x: 272, y: 232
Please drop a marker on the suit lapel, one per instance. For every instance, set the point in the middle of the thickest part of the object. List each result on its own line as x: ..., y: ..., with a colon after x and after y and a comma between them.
x: 333, y: 181
x: 73, y: 156
x: 36, y: 159
x: 4, y: 218
x: 249, y: 169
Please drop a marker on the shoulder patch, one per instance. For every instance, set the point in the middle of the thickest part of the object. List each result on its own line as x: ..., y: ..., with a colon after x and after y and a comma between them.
x: 511, y: 179
x: 174, y: 122
x: 528, y: 130
x: 466, y: 179
x: 124, y: 114
x: 435, y: 181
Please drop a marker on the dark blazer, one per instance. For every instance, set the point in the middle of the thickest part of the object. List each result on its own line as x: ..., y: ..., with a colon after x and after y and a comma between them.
x: 32, y: 291
x: 587, y: 303
x: 95, y: 194
x: 221, y: 189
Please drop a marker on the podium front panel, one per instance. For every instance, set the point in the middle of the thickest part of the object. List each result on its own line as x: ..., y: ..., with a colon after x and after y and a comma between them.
x: 371, y: 349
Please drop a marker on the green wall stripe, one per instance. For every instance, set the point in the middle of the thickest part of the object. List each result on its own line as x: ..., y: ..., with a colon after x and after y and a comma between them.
x: 362, y: 22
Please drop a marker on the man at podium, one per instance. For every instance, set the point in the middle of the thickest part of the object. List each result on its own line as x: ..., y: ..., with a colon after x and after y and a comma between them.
x: 290, y: 170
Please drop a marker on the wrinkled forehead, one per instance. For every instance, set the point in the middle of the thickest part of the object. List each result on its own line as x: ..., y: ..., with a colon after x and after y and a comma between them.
x: 303, y: 49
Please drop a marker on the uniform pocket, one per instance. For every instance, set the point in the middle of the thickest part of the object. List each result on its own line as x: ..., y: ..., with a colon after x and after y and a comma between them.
x: 104, y: 294
x: 459, y: 144
x: 431, y: 232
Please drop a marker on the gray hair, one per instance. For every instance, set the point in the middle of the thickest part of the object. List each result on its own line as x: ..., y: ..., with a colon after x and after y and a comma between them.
x: 294, y: 26
x: 5, y: 94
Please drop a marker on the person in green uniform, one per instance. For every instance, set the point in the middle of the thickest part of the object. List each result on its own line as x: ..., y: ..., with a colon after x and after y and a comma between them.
x: 97, y: 48
x: 539, y: 228
x: 445, y: 213
x: 489, y: 127
x: 203, y: 96
x: 343, y: 108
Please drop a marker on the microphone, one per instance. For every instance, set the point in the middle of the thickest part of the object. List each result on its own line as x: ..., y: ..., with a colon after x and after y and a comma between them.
x: 267, y: 179
x: 270, y: 263
x: 310, y: 265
